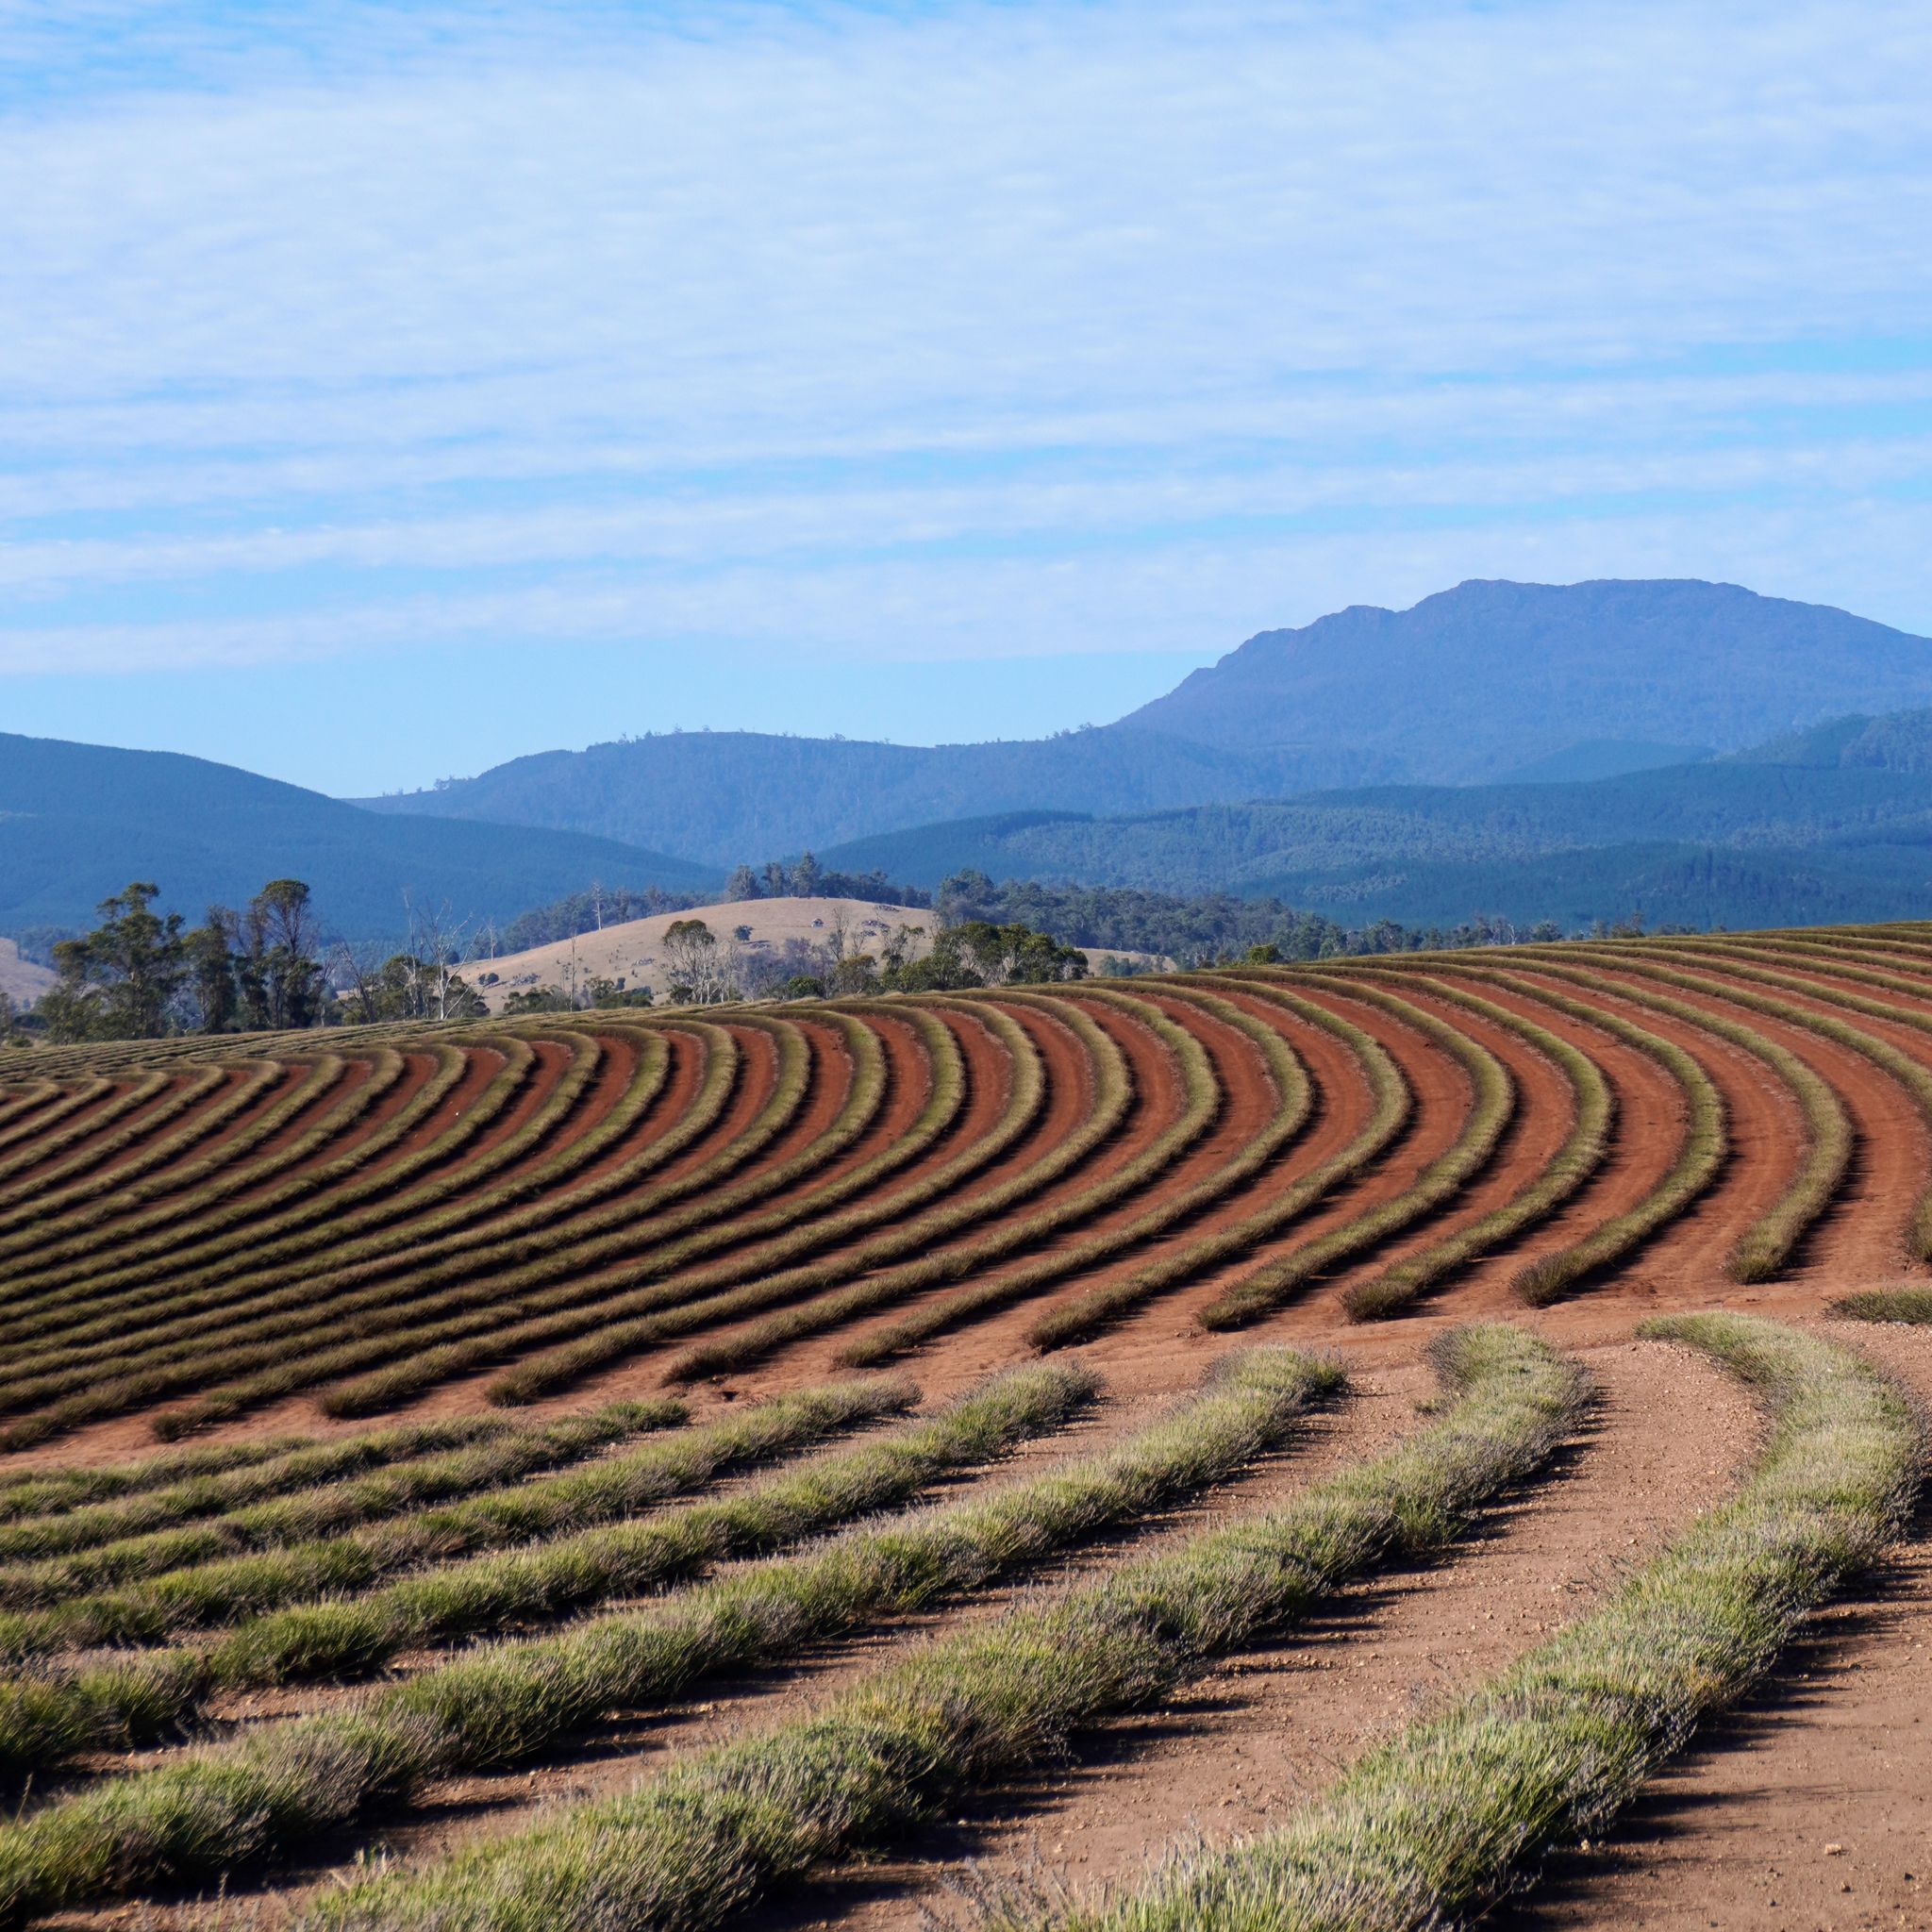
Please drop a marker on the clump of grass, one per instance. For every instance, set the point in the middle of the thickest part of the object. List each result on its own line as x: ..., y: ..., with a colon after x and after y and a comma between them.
x: 717, y: 1832
x: 267, y: 1792
x: 1494, y: 1107
x: 218, y: 1593
x: 1453, y: 1814
x: 1909, y: 1304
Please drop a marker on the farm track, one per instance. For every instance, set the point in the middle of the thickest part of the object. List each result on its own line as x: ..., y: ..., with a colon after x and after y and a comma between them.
x: 250, y: 1249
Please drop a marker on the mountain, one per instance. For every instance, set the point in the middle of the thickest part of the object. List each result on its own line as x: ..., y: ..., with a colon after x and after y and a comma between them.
x: 1479, y: 681
x: 1569, y: 682
x: 79, y: 821
x: 1833, y: 823
x: 732, y: 796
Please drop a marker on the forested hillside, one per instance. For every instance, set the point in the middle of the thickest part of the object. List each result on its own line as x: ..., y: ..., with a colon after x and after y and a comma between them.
x: 1777, y: 836
x: 77, y: 822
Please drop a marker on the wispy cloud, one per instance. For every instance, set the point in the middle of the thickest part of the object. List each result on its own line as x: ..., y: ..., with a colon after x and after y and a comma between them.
x: 341, y: 328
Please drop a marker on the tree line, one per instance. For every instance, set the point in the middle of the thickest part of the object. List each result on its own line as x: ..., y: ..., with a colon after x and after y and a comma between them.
x: 141, y: 974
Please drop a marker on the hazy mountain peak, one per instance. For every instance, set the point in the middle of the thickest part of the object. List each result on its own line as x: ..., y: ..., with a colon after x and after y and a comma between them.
x: 1493, y: 675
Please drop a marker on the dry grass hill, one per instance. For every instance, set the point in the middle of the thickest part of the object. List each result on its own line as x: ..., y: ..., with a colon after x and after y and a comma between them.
x: 632, y: 954
x: 21, y: 981
x: 1404, y: 1430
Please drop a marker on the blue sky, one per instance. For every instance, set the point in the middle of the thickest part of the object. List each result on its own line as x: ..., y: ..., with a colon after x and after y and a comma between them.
x: 386, y: 390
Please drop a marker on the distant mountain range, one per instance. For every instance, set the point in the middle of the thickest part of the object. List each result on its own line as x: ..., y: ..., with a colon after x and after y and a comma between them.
x: 79, y: 821
x: 1472, y: 685
x: 1567, y: 751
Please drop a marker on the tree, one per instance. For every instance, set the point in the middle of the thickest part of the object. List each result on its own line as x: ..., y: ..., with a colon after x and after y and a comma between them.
x: 211, y: 991
x: 277, y: 978
x: 743, y: 883
x: 120, y: 981
x: 804, y: 876
x: 775, y: 880
x: 691, y: 956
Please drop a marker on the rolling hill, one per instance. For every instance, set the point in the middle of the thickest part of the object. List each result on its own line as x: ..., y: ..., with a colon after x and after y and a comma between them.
x: 78, y: 821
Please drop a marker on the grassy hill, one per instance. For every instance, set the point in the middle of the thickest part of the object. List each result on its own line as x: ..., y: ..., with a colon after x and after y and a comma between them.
x: 79, y: 821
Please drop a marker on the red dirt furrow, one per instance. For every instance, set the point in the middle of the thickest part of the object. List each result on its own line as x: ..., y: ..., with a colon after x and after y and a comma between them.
x: 908, y: 1085
x: 829, y: 1086
x: 1162, y: 1343
x: 1545, y: 1112
x: 1161, y: 1104
x: 289, y: 1073
x: 356, y: 1071
x: 1649, y: 1129
x: 1860, y: 1236
x: 617, y: 1065
x: 1767, y: 1142
x: 61, y: 1158
x: 147, y: 1129
x: 481, y: 1065
x: 418, y: 1070
x: 1248, y: 1101
x: 683, y: 1076
x: 1070, y: 1094
x: 1441, y: 1101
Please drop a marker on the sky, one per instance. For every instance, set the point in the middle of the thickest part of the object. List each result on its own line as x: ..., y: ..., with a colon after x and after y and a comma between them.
x: 387, y: 390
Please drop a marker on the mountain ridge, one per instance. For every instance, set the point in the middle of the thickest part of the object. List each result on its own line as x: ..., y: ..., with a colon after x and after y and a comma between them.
x: 1509, y: 674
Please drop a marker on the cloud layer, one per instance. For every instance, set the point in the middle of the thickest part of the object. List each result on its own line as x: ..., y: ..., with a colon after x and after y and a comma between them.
x: 960, y: 331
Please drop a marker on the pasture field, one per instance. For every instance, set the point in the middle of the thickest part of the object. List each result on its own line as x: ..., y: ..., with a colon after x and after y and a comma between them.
x: 1356, y: 1445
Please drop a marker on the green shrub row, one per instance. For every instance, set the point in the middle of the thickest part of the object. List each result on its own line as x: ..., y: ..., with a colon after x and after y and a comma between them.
x: 292, y: 1514
x: 1492, y: 1108
x: 716, y: 1832
x: 1594, y: 1113
x: 127, y: 1704
x: 1459, y: 1811
x: 1764, y: 1247
x: 1088, y: 1312
x: 220, y: 1592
